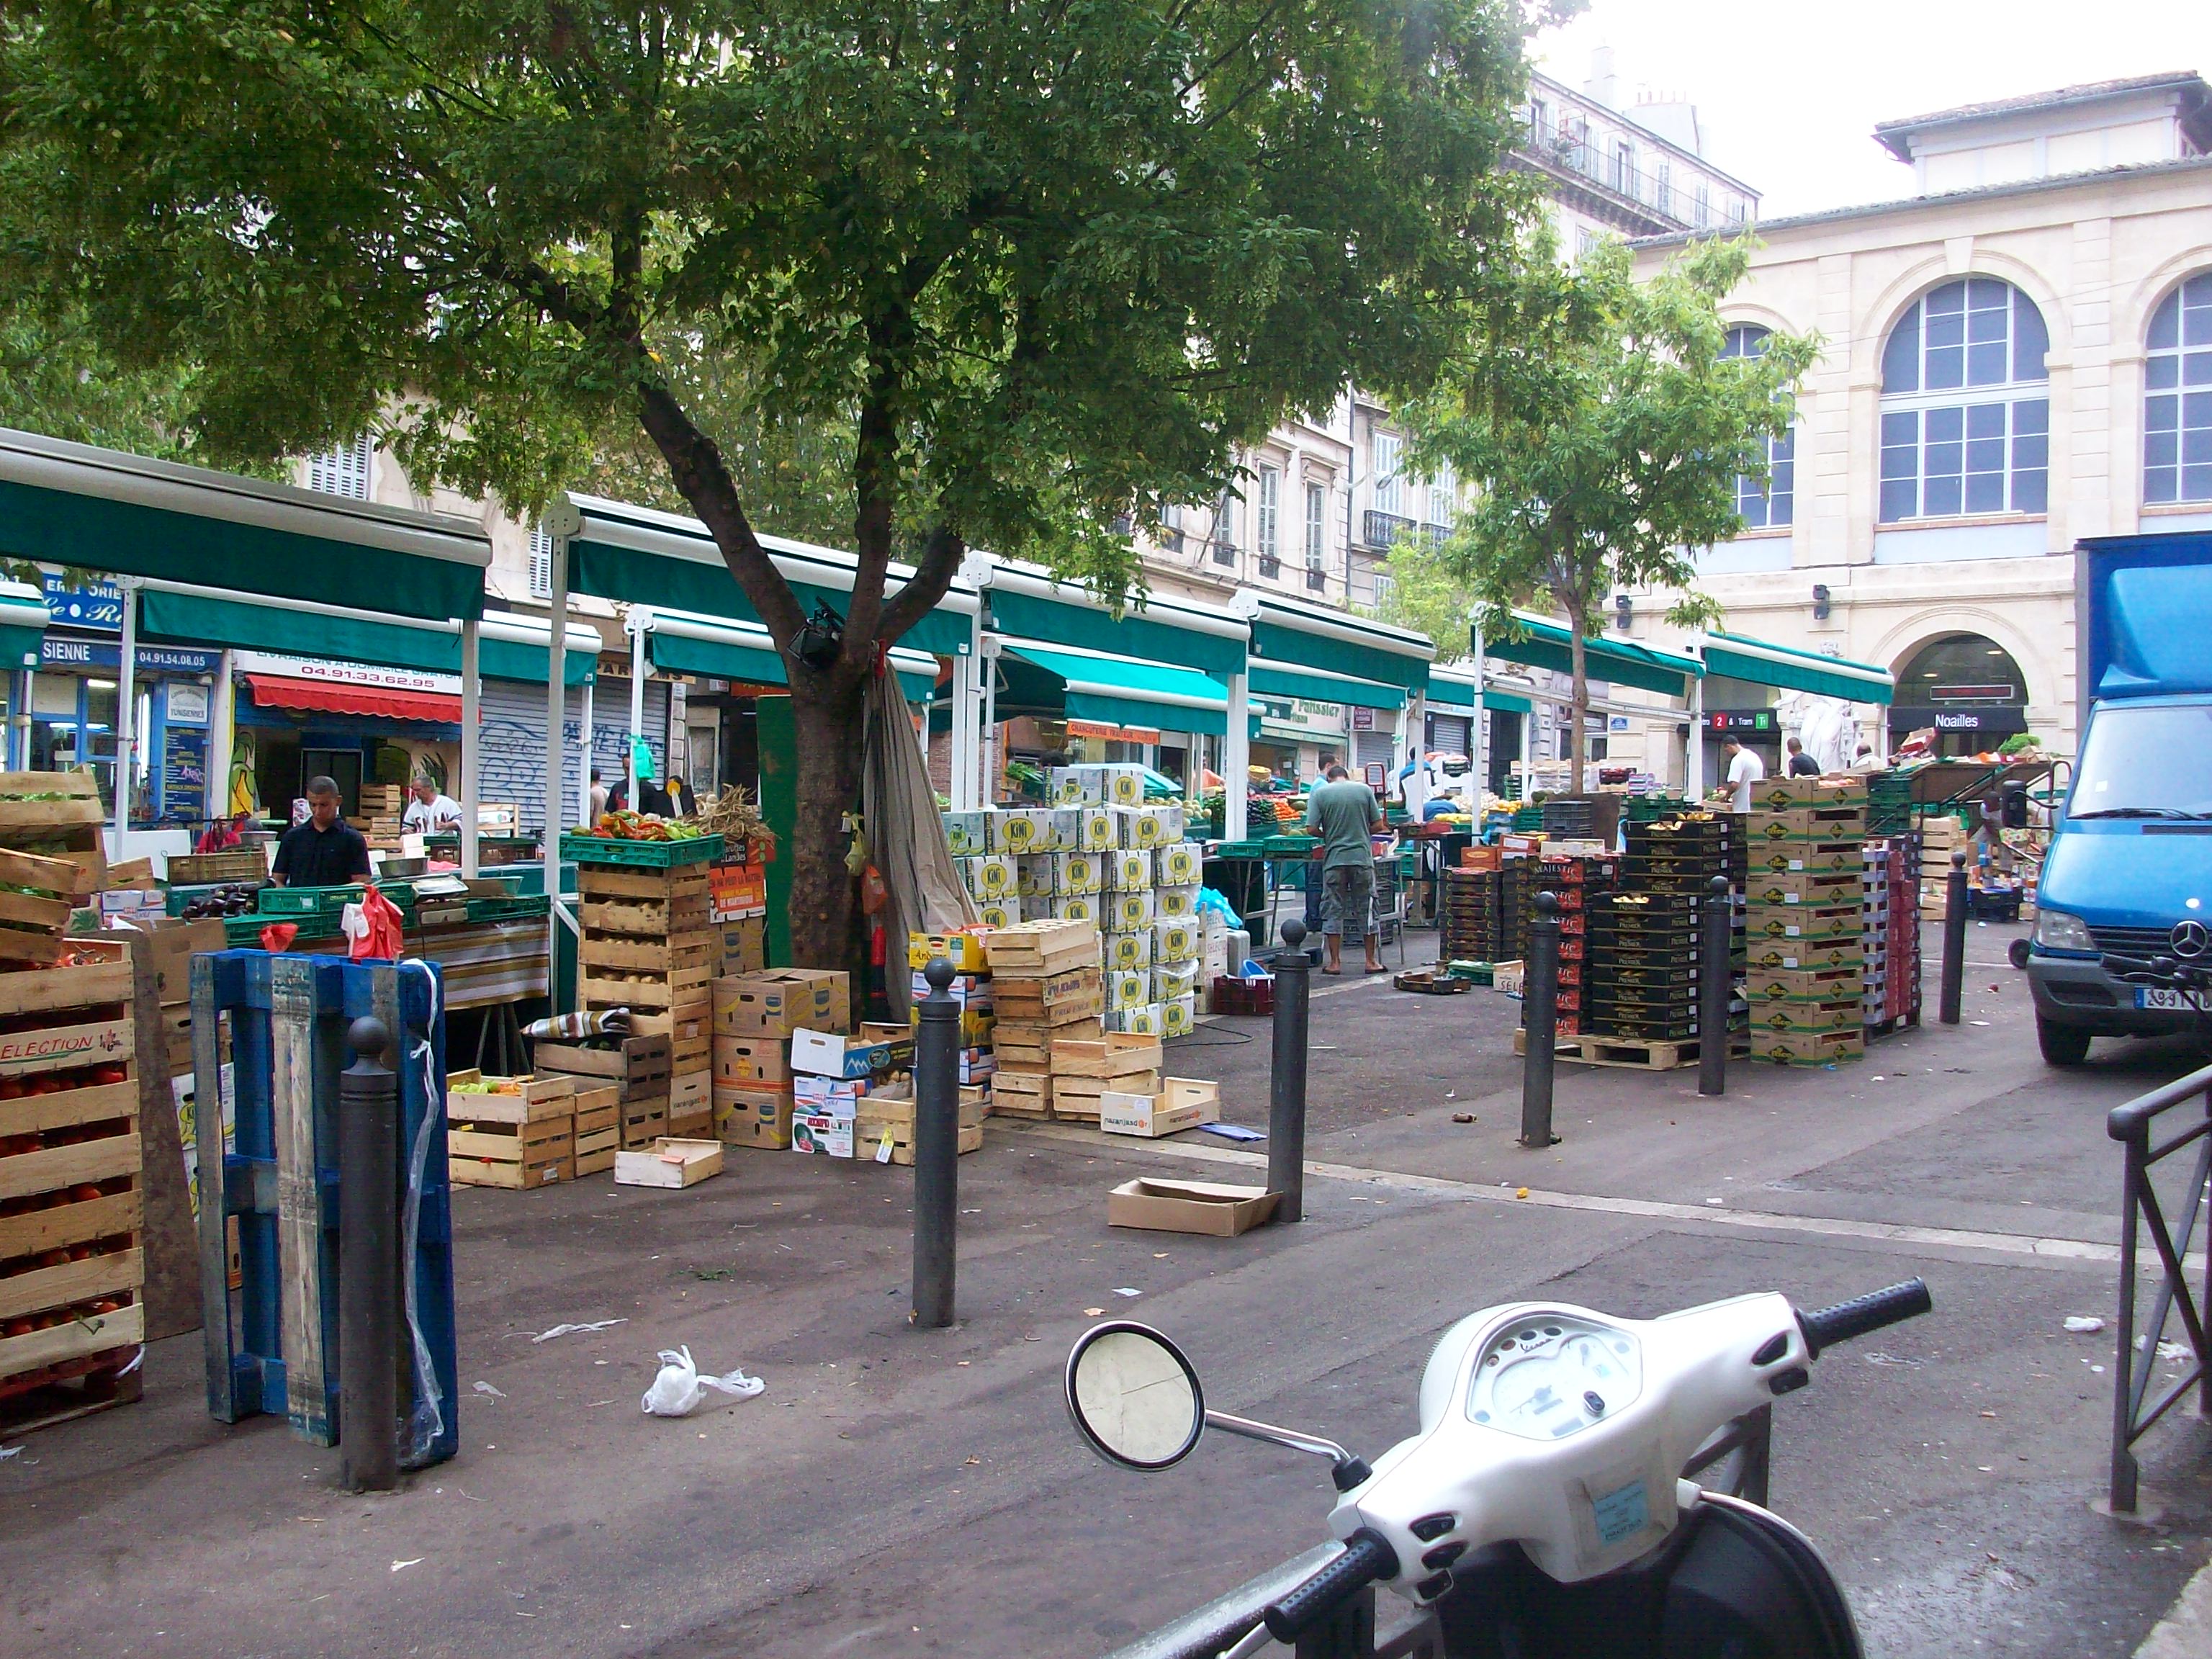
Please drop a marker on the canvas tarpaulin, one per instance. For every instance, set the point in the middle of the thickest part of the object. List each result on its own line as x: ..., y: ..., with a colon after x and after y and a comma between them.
x: 906, y: 837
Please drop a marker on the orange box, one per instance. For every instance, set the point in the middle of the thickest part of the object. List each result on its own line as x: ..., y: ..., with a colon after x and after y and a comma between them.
x: 1480, y: 857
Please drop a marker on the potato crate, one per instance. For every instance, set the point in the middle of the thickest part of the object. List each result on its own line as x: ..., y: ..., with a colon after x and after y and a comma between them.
x: 72, y: 1267
x: 522, y: 1134
x: 36, y: 896
x: 54, y: 814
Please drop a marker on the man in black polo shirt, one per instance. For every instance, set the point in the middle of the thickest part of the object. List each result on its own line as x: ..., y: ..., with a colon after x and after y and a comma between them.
x: 324, y: 852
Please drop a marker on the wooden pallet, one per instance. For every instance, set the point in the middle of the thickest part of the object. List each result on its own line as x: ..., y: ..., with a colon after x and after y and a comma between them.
x: 1629, y: 1053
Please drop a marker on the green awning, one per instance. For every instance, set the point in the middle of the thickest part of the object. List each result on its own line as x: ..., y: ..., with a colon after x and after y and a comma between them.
x: 1160, y: 631
x: 197, y: 619
x: 1444, y: 691
x: 1125, y: 691
x: 1274, y: 681
x: 22, y: 624
x: 96, y: 509
x: 1506, y: 702
x: 670, y: 563
x: 1617, y: 662
x: 752, y: 657
x: 1788, y: 669
x: 1290, y: 635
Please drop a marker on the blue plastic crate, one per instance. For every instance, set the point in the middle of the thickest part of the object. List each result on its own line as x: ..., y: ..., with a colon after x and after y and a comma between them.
x: 268, y: 1350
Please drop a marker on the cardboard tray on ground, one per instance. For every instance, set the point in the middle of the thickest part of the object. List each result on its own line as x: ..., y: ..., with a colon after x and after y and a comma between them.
x: 1189, y: 1206
x: 1179, y: 1103
x: 670, y: 1163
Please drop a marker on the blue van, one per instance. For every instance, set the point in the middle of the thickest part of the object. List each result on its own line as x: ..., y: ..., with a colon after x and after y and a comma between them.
x: 2129, y: 870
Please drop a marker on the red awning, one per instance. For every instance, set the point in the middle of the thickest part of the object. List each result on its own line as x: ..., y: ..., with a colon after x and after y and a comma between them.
x: 315, y: 697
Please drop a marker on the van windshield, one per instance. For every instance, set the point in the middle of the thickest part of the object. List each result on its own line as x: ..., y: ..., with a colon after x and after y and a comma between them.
x: 2148, y: 762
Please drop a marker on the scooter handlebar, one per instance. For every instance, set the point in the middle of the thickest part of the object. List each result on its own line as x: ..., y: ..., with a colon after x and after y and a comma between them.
x: 1367, y: 1557
x: 1827, y: 1327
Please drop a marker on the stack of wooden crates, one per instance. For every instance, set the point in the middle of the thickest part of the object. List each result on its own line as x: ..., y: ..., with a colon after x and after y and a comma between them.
x: 1046, y: 988
x: 651, y: 945
x: 72, y: 1266
x: 383, y: 807
x: 633, y: 1070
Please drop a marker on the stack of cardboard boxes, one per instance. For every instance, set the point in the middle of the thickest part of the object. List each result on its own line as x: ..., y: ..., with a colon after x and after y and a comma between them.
x: 970, y: 988
x: 1805, y: 918
x: 756, y: 1016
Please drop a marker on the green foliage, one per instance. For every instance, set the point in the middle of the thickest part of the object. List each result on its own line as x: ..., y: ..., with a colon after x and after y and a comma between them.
x: 1604, y: 434
x: 1429, y: 593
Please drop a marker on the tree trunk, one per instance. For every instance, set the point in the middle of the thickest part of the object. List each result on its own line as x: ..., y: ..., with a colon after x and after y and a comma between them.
x: 829, y: 717
x: 1578, y: 698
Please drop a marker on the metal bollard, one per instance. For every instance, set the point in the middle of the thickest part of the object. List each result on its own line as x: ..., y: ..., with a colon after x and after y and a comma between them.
x: 368, y: 1263
x: 935, y: 1149
x: 1286, y: 1077
x: 1713, y: 989
x: 1955, y: 937
x: 1539, y: 1014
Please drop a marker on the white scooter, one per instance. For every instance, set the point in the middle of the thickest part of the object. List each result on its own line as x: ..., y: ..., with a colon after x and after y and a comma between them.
x: 1539, y: 1510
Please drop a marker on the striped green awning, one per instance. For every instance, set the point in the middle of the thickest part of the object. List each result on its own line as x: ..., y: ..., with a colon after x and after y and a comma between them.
x: 1617, y: 662
x: 1446, y: 691
x: 1338, y: 644
x: 1506, y: 702
x: 1276, y: 681
x: 751, y: 657
x: 1788, y: 669
x: 1125, y: 691
x: 23, y: 619
x: 238, y: 623
x: 1068, y: 616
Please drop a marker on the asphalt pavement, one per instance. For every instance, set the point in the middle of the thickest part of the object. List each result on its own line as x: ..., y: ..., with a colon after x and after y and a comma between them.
x: 901, y: 1492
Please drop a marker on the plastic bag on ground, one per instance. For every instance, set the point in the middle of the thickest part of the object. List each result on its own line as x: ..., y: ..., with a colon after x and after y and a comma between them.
x: 680, y: 1388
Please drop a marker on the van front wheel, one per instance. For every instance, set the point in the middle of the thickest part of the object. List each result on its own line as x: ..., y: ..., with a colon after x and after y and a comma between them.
x: 2062, y: 1045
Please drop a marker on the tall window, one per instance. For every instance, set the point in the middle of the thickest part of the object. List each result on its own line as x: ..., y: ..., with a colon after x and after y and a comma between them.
x: 541, y: 565
x: 1966, y: 406
x: 1763, y: 506
x: 1443, y: 495
x: 1316, y: 525
x: 1540, y: 119
x: 1662, y: 188
x: 342, y: 471
x: 2178, y: 402
x: 1624, y: 169
x: 1224, y: 529
x: 1701, y: 207
x: 1389, y: 493
x: 1268, y: 512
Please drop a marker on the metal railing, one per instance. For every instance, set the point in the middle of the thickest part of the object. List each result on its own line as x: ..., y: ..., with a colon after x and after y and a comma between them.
x: 1208, y: 1631
x: 2134, y: 1126
x: 1383, y: 529
x: 1589, y: 156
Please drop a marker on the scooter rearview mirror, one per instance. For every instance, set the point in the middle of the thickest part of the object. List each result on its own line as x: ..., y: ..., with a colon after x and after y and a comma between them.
x: 1133, y: 1396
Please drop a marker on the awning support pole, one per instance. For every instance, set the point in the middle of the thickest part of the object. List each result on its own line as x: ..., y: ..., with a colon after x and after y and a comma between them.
x: 1479, y: 736
x: 584, y: 772
x: 1693, y: 745
x: 640, y: 624
x: 223, y: 739
x: 967, y: 715
x: 561, y: 521
x: 126, y: 711
x: 1235, y: 755
x: 471, y: 761
x: 19, y: 753
x: 987, y: 786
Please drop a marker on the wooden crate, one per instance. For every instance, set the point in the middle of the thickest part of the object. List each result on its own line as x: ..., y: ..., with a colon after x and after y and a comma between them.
x: 1042, y: 947
x: 636, y: 1065
x: 520, y: 1100
x: 1021, y: 1094
x: 1114, y: 1054
x: 491, y: 1152
x: 672, y: 1161
x: 676, y: 886
x: 1077, y: 1096
x: 675, y: 992
x: 598, y: 1128
x: 890, y: 1116
x: 687, y: 912
x: 32, y: 923
x: 675, y: 953
x: 73, y: 802
x: 72, y: 1265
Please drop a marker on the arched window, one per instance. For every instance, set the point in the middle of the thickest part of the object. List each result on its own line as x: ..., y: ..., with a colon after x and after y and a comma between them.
x: 1966, y: 409
x: 1763, y: 506
x: 2177, y: 395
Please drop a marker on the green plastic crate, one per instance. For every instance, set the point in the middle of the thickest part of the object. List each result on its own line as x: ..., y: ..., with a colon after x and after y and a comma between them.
x: 641, y: 854
x: 1290, y: 847
x: 289, y: 903
x: 512, y: 909
x: 1241, y: 849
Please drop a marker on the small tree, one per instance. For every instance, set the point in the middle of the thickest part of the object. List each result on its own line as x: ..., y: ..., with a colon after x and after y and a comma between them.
x: 1429, y: 593
x: 1604, y: 434
x: 1048, y: 265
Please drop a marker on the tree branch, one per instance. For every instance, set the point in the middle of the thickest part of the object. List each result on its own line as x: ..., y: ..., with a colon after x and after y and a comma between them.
x: 932, y: 578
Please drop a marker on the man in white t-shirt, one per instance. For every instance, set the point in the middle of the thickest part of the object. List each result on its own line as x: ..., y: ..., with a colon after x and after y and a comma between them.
x: 430, y: 812
x: 1745, y: 768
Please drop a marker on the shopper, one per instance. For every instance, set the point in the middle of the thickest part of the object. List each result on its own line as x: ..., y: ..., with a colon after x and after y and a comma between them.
x: 432, y: 812
x: 324, y: 852
x: 1867, y: 761
x: 1802, y: 765
x: 599, y: 797
x: 1343, y: 813
x: 653, y: 800
x: 1745, y: 768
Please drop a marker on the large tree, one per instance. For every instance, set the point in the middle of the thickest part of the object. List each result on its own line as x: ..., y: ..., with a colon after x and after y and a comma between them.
x: 1049, y: 261
x: 1604, y: 432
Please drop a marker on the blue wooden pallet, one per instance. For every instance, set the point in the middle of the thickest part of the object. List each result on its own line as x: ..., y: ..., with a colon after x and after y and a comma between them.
x: 272, y: 1345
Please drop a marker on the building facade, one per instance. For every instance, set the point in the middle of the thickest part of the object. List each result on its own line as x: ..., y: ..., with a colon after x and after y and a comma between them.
x: 2019, y: 357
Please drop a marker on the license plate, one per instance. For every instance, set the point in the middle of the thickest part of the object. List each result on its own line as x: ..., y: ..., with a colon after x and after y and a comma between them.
x: 2156, y: 996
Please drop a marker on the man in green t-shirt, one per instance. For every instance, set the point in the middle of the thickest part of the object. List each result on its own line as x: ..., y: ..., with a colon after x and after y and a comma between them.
x: 1343, y: 813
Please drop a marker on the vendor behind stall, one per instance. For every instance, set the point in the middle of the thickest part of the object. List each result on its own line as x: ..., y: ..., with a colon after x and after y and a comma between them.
x: 324, y: 852
x: 431, y: 813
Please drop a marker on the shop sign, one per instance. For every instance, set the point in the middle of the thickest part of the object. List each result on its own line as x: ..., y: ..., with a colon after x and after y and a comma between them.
x: 1111, y: 733
x: 1363, y: 719
x: 346, y: 673
x: 1993, y: 720
x: 1301, y: 719
x: 188, y: 705
x: 58, y: 651
x: 100, y: 605
x: 1740, y: 720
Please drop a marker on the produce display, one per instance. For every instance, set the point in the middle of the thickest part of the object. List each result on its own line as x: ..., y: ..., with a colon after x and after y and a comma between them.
x: 234, y: 898
x: 636, y: 826
x: 69, y: 1134
x: 497, y: 1085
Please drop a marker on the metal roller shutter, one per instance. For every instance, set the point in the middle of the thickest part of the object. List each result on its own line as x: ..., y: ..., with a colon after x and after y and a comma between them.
x: 1451, y: 734
x: 512, y: 745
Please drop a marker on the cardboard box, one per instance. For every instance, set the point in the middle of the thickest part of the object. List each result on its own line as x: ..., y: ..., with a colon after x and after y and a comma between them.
x: 1787, y: 953
x: 1810, y: 1047
x: 669, y: 1163
x: 1172, y: 902
x: 1181, y: 864
x: 1783, y: 793
x: 1181, y: 1103
x: 966, y: 833
x: 1006, y: 912
x: 1038, y: 876
x: 1179, y: 1014
x: 1803, y: 921
x: 1129, y: 911
x: 963, y: 950
x: 1176, y: 938
x: 1076, y: 786
x: 1128, y: 988
x: 833, y: 1054
x: 1171, y: 980
x: 780, y: 1001
x: 1152, y: 826
x: 1129, y: 951
x: 824, y: 1134
x: 1079, y: 907
x: 1189, y: 1206
x: 994, y: 875
x: 744, y: 1061
x: 753, y: 1117
x: 1128, y: 871
x: 1145, y: 1020
x: 1802, y: 887
x: 1097, y: 831
x: 1807, y: 857
x: 744, y: 945
x: 171, y: 944
x: 1078, y: 873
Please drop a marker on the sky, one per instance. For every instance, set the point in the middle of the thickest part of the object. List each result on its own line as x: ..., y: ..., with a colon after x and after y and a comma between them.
x: 1788, y: 91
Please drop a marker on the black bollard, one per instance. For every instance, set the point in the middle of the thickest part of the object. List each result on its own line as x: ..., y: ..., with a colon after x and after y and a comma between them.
x: 1286, y: 1078
x: 1713, y: 989
x: 1955, y: 937
x: 935, y: 1149
x: 1540, y: 1015
x: 368, y: 1264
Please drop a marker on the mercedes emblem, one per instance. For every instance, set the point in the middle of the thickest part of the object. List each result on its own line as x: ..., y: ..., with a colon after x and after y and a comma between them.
x: 2190, y: 940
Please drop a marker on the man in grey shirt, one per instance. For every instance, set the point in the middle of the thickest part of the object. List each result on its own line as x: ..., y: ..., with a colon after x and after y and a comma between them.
x: 1344, y: 815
